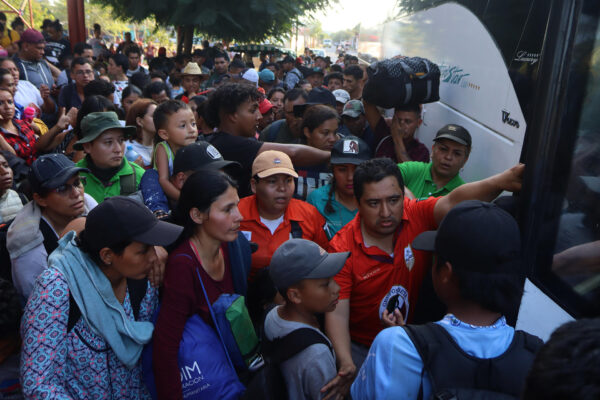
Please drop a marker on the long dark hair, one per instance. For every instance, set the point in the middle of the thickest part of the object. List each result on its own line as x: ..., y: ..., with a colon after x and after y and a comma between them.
x: 200, y: 190
x: 329, y: 206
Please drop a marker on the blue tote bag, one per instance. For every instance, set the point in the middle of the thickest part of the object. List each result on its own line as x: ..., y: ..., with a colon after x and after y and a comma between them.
x: 205, y: 367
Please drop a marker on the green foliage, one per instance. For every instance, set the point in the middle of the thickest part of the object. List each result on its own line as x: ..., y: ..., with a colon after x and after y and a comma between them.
x: 243, y: 21
x: 40, y: 12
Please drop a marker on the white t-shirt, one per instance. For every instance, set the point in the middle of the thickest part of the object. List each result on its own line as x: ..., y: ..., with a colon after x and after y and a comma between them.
x: 119, y: 87
x: 272, y: 224
x: 27, y: 93
x: 144, y: 151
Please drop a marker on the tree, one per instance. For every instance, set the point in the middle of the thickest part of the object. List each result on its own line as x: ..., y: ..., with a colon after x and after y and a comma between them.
x: 253, y: 20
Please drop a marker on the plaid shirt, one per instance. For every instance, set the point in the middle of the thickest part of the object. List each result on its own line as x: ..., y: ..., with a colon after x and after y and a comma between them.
x: 24, y: 142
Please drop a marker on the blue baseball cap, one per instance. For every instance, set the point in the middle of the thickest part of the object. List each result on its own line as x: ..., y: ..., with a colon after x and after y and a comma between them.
x: 266, y: 75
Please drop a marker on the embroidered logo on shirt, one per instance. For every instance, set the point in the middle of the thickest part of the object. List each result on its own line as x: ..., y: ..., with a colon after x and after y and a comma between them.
x: 397, y: 298
x: 409, y: 258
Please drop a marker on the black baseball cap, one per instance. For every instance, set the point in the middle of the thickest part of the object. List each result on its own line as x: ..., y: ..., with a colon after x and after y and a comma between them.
x: 299, y: 259
x: 476, y: 236
x: 119, y: 219
x: 350, y: 150
x: 50, y: 171
x: 289, y: 59
x: 316, y: 96
x: 455, y: 133
x: 200, y: 155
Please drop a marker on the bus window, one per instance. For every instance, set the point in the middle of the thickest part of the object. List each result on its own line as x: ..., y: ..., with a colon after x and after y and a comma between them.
x: 576, y: 259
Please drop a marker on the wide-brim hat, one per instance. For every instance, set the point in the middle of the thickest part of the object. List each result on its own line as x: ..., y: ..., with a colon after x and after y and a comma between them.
x: 96, y: 123
x: 194, y: 69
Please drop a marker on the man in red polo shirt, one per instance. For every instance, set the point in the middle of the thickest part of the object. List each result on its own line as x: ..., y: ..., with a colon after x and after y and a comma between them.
x: 271, y: 215
x: 380, y: 281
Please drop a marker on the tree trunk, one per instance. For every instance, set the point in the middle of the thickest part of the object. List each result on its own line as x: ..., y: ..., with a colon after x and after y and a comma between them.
x: 179, y: 40
x: 188, y: 40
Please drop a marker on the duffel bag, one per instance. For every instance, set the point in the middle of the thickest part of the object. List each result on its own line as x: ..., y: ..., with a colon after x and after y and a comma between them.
x: 399, y: 81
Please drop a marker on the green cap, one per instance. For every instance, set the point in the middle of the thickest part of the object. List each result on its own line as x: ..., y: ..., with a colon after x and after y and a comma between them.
x: 96, y: 123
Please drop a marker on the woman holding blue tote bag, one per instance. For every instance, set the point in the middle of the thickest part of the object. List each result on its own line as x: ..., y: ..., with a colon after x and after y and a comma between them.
x: 206, y: 264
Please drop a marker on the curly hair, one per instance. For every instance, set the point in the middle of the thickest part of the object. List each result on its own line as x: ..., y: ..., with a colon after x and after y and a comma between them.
x: 227, y: 99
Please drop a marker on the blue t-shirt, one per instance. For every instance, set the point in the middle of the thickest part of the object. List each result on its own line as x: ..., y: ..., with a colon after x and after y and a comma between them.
x: 393, y: 368
x: 340, y: 215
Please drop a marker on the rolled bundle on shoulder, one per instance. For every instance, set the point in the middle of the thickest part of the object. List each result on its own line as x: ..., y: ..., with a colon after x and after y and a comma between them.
x: 399, y: 81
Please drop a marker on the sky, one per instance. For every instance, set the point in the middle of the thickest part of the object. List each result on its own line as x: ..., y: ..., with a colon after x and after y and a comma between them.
x: 347, y: 13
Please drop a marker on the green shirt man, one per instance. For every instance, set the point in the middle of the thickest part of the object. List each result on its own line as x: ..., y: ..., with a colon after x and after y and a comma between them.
x: 449, y: 153
x: 417, y: 178
x: 125, y: 182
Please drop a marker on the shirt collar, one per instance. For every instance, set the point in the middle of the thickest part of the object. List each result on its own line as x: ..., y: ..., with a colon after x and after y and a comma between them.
x: 452, y: 183
x: 291, y: 213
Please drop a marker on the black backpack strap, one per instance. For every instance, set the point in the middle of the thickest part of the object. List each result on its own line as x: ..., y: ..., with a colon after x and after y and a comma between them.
x: 127, y: 183
x: 296, y: 230
x: 426, y: 342
x: 286, y: 347
x: 74, y: 313
x: 137, y: 291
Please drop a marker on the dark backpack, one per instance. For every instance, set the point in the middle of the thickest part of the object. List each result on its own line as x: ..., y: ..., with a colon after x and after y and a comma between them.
x: 137, y: 291
x: 5, y: 263
x: 400, y: 81
x: 455, y: 374
x: 268, y: 383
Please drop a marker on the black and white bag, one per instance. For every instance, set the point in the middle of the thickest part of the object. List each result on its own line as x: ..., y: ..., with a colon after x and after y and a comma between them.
x: 400, y: 81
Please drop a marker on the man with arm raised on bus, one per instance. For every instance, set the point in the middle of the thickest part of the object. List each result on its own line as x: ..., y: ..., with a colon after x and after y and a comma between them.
x: 381, y: 279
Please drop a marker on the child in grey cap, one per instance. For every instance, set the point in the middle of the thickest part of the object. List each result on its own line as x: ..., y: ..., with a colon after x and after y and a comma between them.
x: 303, y: 274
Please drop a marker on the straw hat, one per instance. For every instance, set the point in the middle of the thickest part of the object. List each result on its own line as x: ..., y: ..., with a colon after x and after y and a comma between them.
x: 193, y: 69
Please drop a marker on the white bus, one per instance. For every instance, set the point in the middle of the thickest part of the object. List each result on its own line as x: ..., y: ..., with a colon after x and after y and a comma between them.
x: 523, y: 76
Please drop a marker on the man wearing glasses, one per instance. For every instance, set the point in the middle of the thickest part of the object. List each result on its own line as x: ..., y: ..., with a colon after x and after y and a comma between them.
x: 71, y: 95
x: 58, y: 198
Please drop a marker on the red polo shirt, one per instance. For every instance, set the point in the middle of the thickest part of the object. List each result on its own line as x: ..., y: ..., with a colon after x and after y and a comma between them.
x: 373, y: 280
x: 307, y: 216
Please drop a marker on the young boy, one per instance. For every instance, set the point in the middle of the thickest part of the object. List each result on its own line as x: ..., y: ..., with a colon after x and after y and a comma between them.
x: 175, y: 124
x: 303, y: 274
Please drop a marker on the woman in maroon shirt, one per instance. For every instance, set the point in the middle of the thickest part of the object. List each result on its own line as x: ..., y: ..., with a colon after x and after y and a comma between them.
x: 208, y: 210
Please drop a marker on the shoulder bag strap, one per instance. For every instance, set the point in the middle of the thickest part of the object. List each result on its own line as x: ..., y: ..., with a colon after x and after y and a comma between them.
x: 296, y: 230
x: 128, y: 182
x: 210, y: 309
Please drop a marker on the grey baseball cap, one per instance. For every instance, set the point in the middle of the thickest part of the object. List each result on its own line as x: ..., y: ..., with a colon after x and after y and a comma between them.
x: 299, y: 259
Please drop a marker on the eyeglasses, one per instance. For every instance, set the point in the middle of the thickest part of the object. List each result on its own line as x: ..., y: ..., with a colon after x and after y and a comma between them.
x: 84, y: 72
x: 65, y: 189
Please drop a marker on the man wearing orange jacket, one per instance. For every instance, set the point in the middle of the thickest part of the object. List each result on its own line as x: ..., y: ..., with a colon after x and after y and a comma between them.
x: 271, y: 215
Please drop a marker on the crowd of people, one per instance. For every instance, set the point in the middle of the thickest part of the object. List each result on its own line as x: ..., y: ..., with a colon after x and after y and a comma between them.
x: 133, y: 198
